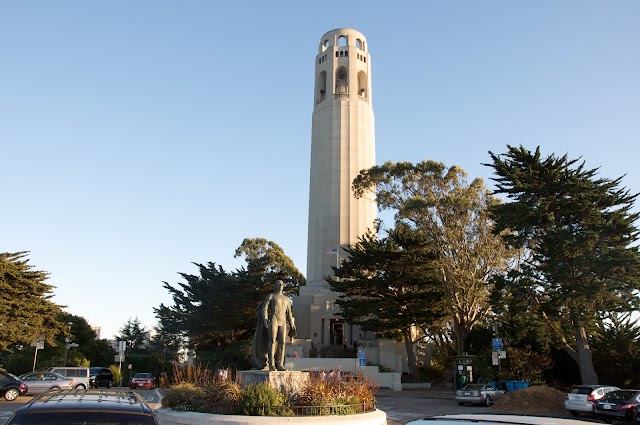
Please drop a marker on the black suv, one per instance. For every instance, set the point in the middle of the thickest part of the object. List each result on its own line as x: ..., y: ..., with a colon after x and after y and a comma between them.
x: 84, y: 407
x: 100, y: 377
x: 11, y: 386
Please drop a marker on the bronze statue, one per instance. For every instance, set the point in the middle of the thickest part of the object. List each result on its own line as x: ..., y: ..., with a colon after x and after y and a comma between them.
x: 273, y: 314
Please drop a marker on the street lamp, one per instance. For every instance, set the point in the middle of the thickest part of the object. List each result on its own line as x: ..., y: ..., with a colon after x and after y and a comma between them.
x: 67, y: 341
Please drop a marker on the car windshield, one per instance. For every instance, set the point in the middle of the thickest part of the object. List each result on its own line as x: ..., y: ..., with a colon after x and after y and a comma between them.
x: 581, y: 390
x: 620, y: 395
x: 143, y: 375
x: 82, y: 418
x: 474, y: 387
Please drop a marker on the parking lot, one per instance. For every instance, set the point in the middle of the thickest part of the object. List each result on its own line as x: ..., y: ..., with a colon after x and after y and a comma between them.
x: 400, y: 406
x: 404, y: 406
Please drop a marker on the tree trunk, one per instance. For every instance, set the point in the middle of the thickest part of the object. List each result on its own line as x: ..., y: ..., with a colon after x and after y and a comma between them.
x: 461, y: 335
x: 585, y: 355
x: 412, y: 359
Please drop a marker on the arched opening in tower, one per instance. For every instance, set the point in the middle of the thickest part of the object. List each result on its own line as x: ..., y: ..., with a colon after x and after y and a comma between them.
x: 342, y: 80
x: 363, y: 88
x: 321, y: 85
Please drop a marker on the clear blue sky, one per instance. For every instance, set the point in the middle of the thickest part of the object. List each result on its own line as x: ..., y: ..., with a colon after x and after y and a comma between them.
x: 137, y: 137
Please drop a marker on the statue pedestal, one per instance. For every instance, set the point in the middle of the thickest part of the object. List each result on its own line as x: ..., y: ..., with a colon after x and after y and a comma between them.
x: 285, y: 381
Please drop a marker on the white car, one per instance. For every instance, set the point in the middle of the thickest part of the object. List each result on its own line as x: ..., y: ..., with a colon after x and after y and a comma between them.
x: 582, y: 398
x: 498, y: 419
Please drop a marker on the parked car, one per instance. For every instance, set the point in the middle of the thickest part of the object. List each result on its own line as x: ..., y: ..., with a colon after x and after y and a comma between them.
x: 41, y: 382
x: 80, y: 375
x: 11, y: 386
x: 581, y: 398
x: 478, y: 394
x: 142, y: 380
x: 618, y: 405
x: 100, y: 377
x: 495, y: 419
x: 85, y: 407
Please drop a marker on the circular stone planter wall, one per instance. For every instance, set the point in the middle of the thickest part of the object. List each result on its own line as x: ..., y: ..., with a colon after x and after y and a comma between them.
x: 172, y: 417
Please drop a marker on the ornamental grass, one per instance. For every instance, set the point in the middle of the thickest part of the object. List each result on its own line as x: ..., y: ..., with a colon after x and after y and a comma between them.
x: 197, y: 389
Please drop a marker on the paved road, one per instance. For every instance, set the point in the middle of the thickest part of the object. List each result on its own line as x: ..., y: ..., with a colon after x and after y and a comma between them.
x: 400, y: 406
x: 404, y: 406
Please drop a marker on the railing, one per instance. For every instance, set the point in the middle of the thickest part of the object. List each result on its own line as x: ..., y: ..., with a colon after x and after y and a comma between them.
x: 341, y: 95
x: 236, y: 409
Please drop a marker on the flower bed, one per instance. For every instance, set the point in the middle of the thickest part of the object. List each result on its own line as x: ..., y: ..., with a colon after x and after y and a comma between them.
x: 320, y: 396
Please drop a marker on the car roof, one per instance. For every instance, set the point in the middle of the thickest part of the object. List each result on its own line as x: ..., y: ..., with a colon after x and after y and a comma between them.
x: 90, y: 399
x: 499, y: 419
x: 49, y: 372
x: 593, y: 386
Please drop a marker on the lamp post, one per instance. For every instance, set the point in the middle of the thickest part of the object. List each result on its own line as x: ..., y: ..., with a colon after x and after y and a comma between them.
x: 67, y: 342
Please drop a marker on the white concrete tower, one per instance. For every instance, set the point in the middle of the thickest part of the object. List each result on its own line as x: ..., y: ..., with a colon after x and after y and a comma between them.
x: 342, y: 144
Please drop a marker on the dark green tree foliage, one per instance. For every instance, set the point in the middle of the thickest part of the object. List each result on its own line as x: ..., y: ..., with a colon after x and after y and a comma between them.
x: 577, y: 230
x: 390, y: 285
x: 26, y: 309
x: 453, y: 213
x: 266, y: 263
x: 518, y: 317
x: 165, y: 347
x: 616, y: 350
x: 215, y: 310
x: 136, y: 336
x: 90, y: 351
x: 210, y: 309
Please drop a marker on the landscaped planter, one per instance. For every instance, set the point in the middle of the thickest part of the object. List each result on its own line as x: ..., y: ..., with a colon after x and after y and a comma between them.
x: 172, y: 417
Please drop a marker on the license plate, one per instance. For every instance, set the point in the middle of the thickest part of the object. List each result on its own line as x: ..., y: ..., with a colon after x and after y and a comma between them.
x: 467, y: 393
x: 607, y: 407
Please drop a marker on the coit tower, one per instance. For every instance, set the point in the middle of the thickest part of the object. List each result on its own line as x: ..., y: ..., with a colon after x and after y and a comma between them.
x: 342, y: 144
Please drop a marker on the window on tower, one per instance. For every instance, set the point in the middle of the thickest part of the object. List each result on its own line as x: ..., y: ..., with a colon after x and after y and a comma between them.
x: 342, y: 84
x: 362, y: 84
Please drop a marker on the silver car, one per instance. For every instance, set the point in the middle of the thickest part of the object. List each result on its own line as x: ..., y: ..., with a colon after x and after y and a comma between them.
x: 41, y: 382
x: 478, y: 394
x: 582, y: 398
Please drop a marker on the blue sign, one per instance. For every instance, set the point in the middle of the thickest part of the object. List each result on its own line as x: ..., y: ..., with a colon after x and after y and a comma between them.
x: 361, y: 361
x: 496, y: 343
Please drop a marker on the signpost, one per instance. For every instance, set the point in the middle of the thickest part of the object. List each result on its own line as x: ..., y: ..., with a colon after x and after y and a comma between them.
x: 498, y: 353
x: 122, y: 346
x: 39, y: 345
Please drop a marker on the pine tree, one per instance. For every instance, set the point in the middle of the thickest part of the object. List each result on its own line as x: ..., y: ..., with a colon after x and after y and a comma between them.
x: 577, y: 231
x: 26, y: 309
x: 390, y: 285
